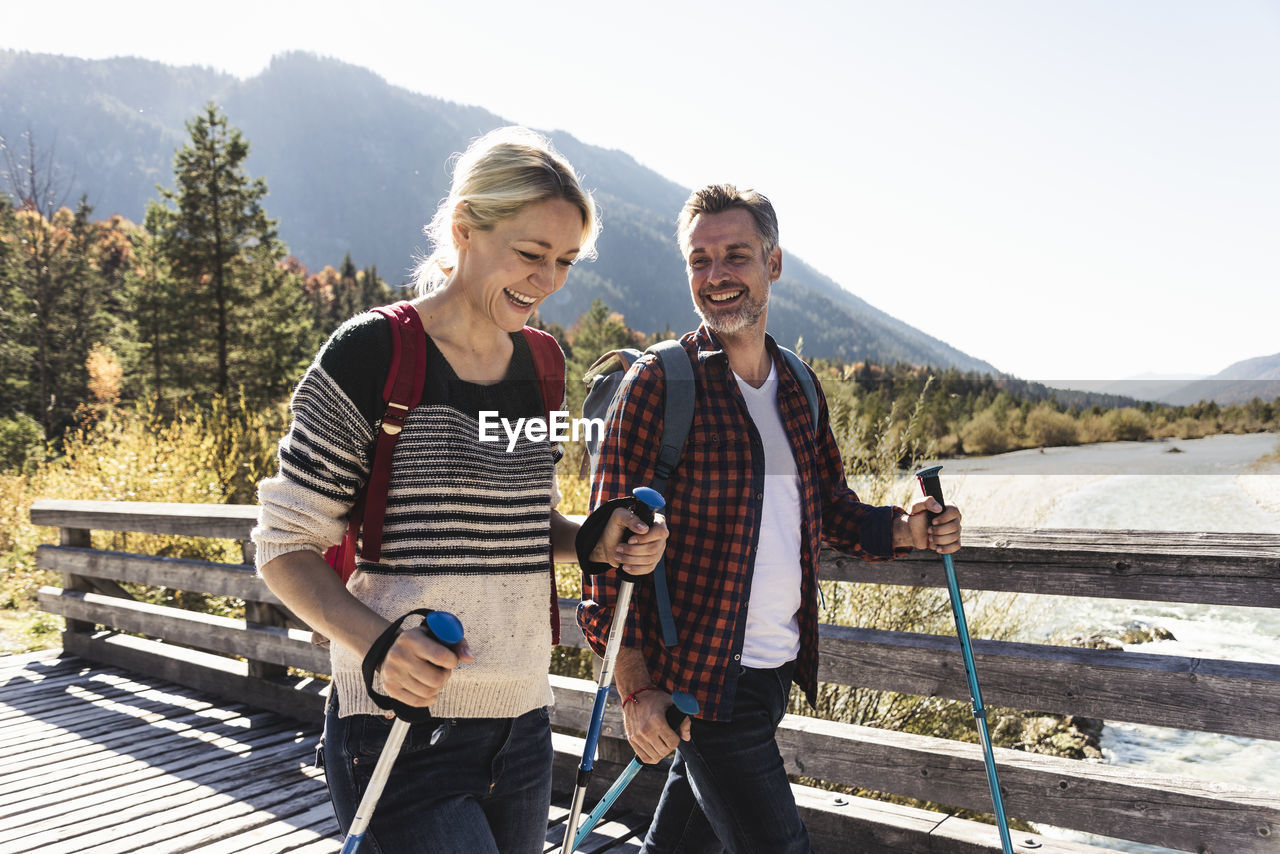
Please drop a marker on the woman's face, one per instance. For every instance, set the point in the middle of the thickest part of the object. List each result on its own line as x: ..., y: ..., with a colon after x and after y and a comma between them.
x: 510, y: 269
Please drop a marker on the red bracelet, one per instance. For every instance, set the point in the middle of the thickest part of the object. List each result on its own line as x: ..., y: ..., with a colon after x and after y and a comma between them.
x: 631, y: 698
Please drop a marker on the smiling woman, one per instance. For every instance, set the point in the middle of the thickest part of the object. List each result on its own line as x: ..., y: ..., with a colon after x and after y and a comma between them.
x: 470, y: 526
x: 499, y: 175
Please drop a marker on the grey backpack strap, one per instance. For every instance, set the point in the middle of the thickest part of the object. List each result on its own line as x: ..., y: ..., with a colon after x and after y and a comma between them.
x: 677, y: 418
x: 677, y: 413
x: 801, y: 372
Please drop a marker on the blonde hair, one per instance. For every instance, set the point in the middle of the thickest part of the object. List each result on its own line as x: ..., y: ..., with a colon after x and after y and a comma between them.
x: 494, y: 179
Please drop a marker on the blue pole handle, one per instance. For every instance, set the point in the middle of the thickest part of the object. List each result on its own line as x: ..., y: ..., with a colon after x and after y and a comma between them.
x: 647, y: 502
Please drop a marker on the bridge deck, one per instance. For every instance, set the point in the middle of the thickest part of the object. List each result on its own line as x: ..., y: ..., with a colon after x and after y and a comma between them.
x: 101, y: 760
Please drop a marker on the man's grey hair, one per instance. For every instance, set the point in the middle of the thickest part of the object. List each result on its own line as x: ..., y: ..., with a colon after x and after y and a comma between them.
x: 718, y: 198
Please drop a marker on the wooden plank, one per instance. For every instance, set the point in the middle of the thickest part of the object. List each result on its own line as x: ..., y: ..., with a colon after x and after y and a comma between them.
x: 1228, y: 544
x: 319, y: 847
x: 170, y: 762
x: 211, y: 814
x: 74, y: 725
x: 300, y: 699
x: 222, y: 521
x: 224, y: 635
x: 38, y: 672
x: 102, y: 732
x: 1174, y: 811
x: 130, y: 740
x: 1099, y: 798
x: 144, y: 766
x: 1228, y: 697
x: 313, y: 824
x: 614, y: 831
x: 1206, y: 568
x: 225, y: 814
x: 186, y: 765
x: 60, y: 703
x: 217, y: 579
x: 203, y: 770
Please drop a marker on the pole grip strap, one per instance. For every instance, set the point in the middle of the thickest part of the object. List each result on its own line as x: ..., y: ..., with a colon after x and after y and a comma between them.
x: 373, y: 660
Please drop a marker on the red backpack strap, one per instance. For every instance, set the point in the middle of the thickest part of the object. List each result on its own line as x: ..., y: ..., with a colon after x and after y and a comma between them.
x: 402, y: 392
x: 548, y: 364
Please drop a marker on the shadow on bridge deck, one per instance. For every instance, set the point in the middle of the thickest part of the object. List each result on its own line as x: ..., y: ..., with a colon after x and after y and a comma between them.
x: 96, y: 759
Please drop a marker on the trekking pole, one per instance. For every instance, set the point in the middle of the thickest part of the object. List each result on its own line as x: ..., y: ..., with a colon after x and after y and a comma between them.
x: 683, y: 705
x: 644, y: 505
x: 932, y: 487
x: 440, y: 626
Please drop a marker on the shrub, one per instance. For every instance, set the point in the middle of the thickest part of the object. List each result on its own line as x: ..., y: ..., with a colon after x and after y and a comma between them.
x: 1096, y: 428
x: 1129, y: 425
x: 21, y: 442
x: 1188, y: 428
x: 210, y: 455
x: 984, y: 435
x: 1048, y: 427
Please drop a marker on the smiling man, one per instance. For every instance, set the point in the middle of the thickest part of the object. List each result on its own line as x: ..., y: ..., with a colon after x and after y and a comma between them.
x: 758, y: 489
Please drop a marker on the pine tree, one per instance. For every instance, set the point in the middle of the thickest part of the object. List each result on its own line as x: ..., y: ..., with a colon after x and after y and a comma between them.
x: 52, y: 293
x: 374, y: 291
x: 152, y: 292
x: 598, y: 331
x: 61, y: 294
x: 16, y: 342
x: 348, y: 296
x: 241, y: 315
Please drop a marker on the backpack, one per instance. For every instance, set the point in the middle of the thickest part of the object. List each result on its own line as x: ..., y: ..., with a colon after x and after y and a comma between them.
x: 603, y: 379
x: 402, y: 391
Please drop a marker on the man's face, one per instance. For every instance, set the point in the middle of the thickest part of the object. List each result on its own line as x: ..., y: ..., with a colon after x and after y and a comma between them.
x: 729, y: 272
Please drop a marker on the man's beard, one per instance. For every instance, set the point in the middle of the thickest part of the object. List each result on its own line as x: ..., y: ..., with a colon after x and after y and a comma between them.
x: 742, y: 317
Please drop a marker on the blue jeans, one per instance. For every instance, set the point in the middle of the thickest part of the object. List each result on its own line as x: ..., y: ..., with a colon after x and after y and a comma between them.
x: 728, y: 785
x: 483, y: 787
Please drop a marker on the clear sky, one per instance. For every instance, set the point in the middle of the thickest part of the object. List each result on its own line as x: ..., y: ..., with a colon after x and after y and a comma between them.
x: 1079, y: 189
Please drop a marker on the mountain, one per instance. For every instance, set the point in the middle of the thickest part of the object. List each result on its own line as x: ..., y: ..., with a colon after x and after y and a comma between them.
x: 1238, y: 383
x: 1148, y: 386
x: 356, y: 165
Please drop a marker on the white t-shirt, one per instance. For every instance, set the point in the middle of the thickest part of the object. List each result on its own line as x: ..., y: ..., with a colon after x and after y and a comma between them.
x: 773, y: 626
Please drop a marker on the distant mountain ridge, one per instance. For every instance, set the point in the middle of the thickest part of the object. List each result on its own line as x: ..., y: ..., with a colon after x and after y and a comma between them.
x: 356, y: 165
x: 1240, y: 382
x: 1237, y: 383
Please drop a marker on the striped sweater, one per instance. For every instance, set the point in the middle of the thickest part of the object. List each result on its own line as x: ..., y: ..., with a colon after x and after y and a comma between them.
x: 467, y: 525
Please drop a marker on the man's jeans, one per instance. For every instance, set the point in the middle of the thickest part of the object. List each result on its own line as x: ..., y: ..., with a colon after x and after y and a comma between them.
x: 483, y: 787
x: 728, y: 780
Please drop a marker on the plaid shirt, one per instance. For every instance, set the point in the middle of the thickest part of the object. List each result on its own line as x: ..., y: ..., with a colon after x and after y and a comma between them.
x: 714, y: 516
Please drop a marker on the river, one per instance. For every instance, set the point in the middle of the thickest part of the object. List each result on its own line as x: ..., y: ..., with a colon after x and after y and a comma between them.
x: 1218, y: 483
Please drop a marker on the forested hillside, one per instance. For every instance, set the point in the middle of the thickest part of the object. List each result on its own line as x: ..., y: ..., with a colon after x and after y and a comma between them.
x: 356, y: 165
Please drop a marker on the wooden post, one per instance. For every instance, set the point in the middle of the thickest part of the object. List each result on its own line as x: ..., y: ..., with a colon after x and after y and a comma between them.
x: 262, y: 614
x: 79, y: 538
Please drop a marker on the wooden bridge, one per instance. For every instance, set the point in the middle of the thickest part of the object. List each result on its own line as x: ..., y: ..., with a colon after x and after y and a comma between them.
x: 162, y: 729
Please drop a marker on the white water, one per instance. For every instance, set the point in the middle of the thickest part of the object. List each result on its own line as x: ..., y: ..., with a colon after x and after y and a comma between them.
x: 1220, y: 483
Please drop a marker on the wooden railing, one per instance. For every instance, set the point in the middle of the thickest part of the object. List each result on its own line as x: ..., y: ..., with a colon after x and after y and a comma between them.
x: 249, y: 660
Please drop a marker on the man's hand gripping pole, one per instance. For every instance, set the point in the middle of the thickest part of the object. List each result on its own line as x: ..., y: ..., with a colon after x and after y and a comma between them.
x: 644, y: 504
